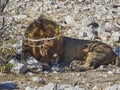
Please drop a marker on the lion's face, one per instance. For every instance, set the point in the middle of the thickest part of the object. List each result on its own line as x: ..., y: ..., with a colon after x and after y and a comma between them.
x: 36, y: 41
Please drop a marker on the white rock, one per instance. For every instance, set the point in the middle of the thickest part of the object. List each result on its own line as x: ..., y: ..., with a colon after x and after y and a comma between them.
x: 55, y: 68
x: 51, y: 86
x: 41, y: 88
x: 30, y: 88
x: 33, y: 63
x: 30, y: 73
x: 70, y: 20
x: 115, y: 36
x: 110, y: 72
x: 13, y: 61
x: 109, y: 25
x: 17, y: 68
x: 39, y: 80
x: 109, y: 17
x: 35, y: 79
x: 95, y: 88
x: 86, y: 20
x: 104, y: 36
x: 117, y: 24
x: 105, y: 75
x: 114, y: 87
x: 54, y: 86
x: 118, y: 70
x: 29, y: 65
x: 19, y: 17
x: 102, y: 67
x: 86, y: 30
x: 69, y: 87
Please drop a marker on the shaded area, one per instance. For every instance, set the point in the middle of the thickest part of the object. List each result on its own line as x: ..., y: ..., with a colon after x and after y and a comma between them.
x: 8, y: 86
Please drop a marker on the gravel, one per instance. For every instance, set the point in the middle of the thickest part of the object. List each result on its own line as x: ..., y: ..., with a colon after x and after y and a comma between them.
x: 81, y: 19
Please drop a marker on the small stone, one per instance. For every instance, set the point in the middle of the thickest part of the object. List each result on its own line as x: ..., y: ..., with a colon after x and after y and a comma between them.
x: 17, y: 68
x: 33, y: 65
x: 51, y: 86
x: 39, y: 80
x: 94, y: 24
x: 69, y: 20
x: 53, y: 3
x: 13, y: 61
x: 36, y: 79
x: 102, y: 68
x: 115, y: 36
x: 23, y: 69
x: 57, y: 78
x: 95, y: 88
x: 30, y: 73
x: 78, y: 74
x: 29, y: 88
x: 116, y: 6
x: 109, y: 25
x: 118, y: 71
x: 110, y: 72
x: 42, y: 81
x: 19, y: 17
x: 87, y: 84
x: 105, y: 75
x: 55, y: 68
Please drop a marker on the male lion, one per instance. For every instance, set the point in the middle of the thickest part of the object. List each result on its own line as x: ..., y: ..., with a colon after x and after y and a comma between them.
x: 80, y: 54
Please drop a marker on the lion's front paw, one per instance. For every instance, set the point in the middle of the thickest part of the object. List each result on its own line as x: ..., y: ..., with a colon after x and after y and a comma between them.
x: 77, y: 66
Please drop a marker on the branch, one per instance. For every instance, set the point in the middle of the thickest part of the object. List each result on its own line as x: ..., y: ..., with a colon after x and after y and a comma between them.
x: 3, y: 4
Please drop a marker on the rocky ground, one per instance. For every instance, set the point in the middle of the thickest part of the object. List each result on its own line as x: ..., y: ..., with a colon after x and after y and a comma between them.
x: 86, y: 19
x: 103, y: 78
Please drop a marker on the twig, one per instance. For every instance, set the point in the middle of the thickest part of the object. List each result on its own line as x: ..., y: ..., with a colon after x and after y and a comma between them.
x: 3, y: 4
x: 37, y: 40
x: 3, y: 23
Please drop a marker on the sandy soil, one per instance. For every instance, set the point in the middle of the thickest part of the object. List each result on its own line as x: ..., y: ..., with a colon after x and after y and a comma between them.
x: 100, y: 78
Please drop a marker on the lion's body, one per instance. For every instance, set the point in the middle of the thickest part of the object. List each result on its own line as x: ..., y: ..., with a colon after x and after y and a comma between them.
x: 92, y: 53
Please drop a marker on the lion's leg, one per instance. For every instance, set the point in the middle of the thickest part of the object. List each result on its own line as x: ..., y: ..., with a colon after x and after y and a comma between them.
x: 75, y: 65
x: 95, y: 59
x: 92, y: 61
x: 89, y: 62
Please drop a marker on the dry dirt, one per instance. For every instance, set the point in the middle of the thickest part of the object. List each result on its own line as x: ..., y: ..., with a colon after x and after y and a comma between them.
x: 100, y: 78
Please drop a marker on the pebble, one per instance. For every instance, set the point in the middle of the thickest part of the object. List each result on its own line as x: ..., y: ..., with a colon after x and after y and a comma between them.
x: 30, y: 73
x: 95, y: 88
x: 115, y: 36
x: 35, y: 79
x: 102, y: 68
x: 30, y: 88
x: 69, y: 20
x: 56, y: 68
x: 38, y: 80
x: 17, y: 68
x: 94, y: 24
x: 118, y: 70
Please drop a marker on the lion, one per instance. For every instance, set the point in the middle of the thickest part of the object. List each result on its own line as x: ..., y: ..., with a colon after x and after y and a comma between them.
x: 79, y: 53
